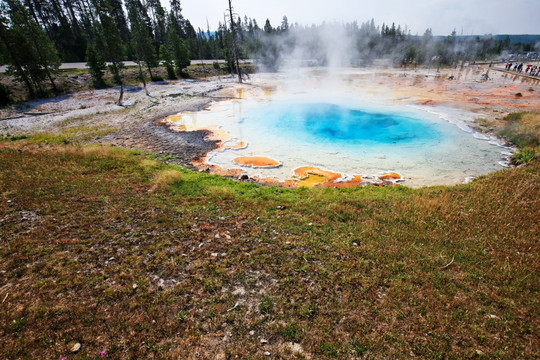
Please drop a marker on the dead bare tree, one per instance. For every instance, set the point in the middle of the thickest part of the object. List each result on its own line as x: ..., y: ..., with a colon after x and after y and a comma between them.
x: 234, y: 44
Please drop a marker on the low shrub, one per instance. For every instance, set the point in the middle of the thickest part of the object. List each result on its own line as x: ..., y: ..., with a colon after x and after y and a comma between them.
x: 525, y: 155
x: 5, y: 95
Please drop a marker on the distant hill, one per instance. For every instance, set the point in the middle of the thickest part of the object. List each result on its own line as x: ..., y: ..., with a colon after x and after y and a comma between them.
x: 524, y: 39
x: 514, y: 39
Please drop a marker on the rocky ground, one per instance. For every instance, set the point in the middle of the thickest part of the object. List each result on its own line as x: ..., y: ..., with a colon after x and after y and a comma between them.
x: 132, y: 125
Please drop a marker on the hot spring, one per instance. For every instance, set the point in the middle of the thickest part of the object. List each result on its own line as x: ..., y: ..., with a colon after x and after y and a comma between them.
x: 344, y: 136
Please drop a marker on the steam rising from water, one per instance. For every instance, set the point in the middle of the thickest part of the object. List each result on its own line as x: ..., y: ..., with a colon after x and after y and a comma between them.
x: 334, y: 45
x: 329, y: 45
x: 322, y: 117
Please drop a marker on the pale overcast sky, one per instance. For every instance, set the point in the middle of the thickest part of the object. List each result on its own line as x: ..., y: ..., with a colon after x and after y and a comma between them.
x: 466, y: 16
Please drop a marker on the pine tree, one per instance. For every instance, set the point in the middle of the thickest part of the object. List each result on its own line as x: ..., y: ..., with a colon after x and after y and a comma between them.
x: 14, y: 51
x: 47, y: 56
x: 268, y: 27
x: 175, y: 17
x: 33, y: 57
x: 160, y: 27
x: 113, y: 47
x: 285, y: 24
x: 96, y: 65
x: 190, y: 37
x: 59, y: 19
x: 86, y: 17
x: 116, y: 10
x: 167, y: 60
x: 141, y: 40
x: 180, y: 51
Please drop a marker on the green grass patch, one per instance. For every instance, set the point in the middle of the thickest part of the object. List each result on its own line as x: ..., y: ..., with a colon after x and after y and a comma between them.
x: 13, y: 137
x: 524, y: 155
x: 49, y: 139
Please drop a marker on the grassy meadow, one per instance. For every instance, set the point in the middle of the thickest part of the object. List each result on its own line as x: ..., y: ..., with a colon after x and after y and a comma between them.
x: 132, y: 258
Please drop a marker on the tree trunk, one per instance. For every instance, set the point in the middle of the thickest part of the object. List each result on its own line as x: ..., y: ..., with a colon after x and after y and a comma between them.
x: 121, y: 94
x: 151, y: 76
x: 59, y: 13
x: 71, y: 12
x: 55, y: 89
x: 235, y: 50
x: 26, y: 80
x: 45, y: 21
x: 32, y: 11
x: 142, y: 77
x: 90, y: 12
x: 38, y: 86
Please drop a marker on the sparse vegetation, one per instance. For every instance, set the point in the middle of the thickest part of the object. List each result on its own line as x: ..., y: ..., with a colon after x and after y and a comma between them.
x: 90, y: 255
x: 165, y: 179
x: 523, y: 129
x: 525, y: 155
x: 484, y: 122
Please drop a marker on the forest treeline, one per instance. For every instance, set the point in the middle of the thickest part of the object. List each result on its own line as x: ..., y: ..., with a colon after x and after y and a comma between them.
x: 36, y: 36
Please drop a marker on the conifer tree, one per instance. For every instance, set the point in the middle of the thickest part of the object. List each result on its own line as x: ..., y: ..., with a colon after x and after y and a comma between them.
x: 140, y: 39
x: 284, y: 24
x: 33, y: 57
x: 175, y: 17
x: 13, y: 53
x: 167, y: 60
x: 60, y: 22
x: 116, y: 10
x: 190, y: 37
x: 159, y: 22
x: 47, y: 56
x: 96, y: 65
x: 160, y: 28
x: 113, y: 49
x: 180, y: 51
x: 140, y: 36
x: 268, y: 27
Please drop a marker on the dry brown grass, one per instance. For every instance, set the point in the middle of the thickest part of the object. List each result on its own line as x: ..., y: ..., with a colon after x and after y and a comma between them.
x: 203, y: 267
x: 166, y: 178
x: 523, y: 128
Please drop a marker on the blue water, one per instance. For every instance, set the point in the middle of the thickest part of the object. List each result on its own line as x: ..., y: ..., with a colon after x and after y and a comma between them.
x: 348, y: 136
x: 324, y: 123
